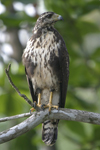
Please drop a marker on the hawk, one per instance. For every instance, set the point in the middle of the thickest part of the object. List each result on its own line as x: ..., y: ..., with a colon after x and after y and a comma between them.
x: 46, y: 62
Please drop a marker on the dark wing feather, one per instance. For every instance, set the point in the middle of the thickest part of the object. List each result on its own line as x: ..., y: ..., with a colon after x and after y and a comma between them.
x: 64, y: 73
x: 64, y: 68
x: 33, y: 95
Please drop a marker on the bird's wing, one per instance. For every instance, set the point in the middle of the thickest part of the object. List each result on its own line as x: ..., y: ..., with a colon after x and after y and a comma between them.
x: 64, y: 73
x: 33, y: 94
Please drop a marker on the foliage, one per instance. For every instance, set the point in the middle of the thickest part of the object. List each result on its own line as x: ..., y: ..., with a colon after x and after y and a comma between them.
x: 81, y: 32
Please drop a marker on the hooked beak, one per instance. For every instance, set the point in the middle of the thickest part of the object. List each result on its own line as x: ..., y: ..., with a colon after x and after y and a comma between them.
x: 60, y: 17
x: 57, y: 17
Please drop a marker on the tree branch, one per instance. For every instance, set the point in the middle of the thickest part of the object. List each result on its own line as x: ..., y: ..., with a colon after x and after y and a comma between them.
x: 22, y: 95
x: 15, y: 117
x: 38, y: 117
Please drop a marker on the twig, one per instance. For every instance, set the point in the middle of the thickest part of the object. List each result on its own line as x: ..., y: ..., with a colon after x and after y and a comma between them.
x: 15, y: 117
x: 22, y: 95
x: 38, y: 117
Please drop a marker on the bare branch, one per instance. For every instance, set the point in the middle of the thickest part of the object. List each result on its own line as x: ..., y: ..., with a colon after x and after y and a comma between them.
x: 15, y: 117
x: 22, y: 95
x: 38, y: 117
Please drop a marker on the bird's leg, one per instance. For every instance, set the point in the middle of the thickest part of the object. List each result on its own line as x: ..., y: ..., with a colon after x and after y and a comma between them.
x: 50, y: 103
x: 39, y: 100
x: 37, y: 104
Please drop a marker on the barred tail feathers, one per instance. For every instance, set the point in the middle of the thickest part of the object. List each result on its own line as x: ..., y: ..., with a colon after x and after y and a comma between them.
x: 49, y: 132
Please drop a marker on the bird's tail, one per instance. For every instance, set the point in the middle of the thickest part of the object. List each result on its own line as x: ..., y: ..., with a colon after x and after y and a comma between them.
x: 49, y: 132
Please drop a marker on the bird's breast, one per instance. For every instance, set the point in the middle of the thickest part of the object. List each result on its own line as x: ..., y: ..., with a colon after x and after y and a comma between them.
x: 45, y: 51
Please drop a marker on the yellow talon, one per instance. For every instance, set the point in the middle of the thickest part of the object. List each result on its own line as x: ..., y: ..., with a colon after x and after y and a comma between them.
x: 50, y: 103
x: 36, y: 104
x: 31, y: 110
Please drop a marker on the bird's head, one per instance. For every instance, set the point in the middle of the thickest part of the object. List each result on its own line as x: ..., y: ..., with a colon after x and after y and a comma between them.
x: 47, y: 19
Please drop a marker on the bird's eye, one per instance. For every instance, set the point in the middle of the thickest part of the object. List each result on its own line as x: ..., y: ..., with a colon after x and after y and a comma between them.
x: 49, y: 16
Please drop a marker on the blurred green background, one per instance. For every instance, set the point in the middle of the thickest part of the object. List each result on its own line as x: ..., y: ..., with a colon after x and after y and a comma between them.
x: 81, y: 32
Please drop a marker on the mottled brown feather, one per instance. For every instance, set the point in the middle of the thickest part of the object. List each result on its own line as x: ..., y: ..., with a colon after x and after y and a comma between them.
x: 46, y: 55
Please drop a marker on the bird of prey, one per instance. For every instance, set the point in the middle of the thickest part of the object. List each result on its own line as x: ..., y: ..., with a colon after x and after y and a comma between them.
x: 46, y: 62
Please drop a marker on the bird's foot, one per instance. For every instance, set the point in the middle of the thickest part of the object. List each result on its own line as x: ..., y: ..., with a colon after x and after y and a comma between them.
x: 31, y: 110
x: 50, y: 106
x: 34, y: 107
x: 37, y: 107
